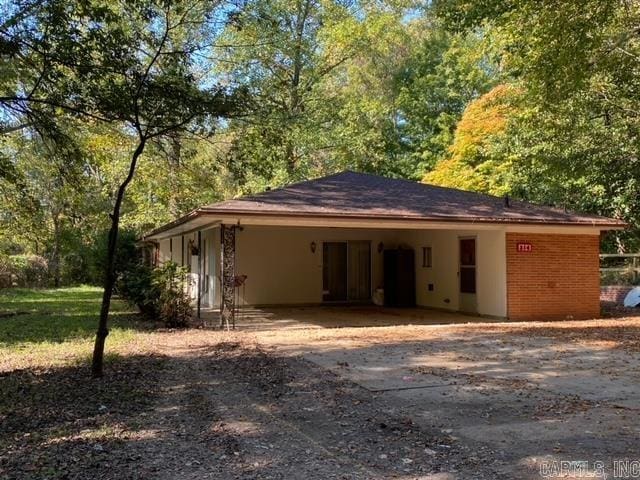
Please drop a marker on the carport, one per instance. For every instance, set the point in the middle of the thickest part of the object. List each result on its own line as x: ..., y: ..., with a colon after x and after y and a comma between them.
x: 358, y: 239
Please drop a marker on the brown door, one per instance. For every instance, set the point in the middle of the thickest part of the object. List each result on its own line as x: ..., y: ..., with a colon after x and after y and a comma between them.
x: 467, y: 274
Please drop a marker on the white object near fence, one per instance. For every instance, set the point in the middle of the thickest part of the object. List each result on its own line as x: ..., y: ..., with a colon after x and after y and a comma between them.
x: 633, y: 298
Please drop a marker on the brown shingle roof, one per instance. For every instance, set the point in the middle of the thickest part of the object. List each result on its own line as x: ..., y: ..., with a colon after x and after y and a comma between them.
x: 360, y: 195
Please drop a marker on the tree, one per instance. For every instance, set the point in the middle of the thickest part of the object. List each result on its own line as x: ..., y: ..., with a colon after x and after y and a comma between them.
x: 120, y: 63
x: 371, y: 86
x: 442, y: 75
x: 284, y: 64
x: 473, y: 162
x: 321, y: 74
x: 576, y: 138
x: 38, y: 207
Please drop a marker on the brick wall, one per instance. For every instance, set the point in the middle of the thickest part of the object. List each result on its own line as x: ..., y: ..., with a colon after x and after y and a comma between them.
x: 614, y: 294
x: 558, y: 279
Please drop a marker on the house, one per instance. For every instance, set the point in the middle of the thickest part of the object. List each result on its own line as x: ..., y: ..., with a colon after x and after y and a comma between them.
x: 354, y: 237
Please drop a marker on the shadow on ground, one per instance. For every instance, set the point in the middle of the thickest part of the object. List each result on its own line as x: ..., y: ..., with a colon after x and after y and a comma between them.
x: 57, y: 328
x: 36, y: 316
x: 226, y: 411
x: 52, y: 420
x: 237, y: 410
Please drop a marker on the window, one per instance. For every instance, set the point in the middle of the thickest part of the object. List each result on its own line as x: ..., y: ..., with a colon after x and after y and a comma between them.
x: 427, y: 260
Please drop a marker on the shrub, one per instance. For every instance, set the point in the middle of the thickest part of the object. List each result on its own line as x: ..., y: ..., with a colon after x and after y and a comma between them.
x: 127, y: 255
x: 159, y: 293
x: 23, y: 271
x: 174, y: 305
x: 136, y: 286
x: 6, y: 272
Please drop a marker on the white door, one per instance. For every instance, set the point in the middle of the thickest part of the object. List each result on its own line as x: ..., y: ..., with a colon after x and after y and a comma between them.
x: 207, y: 268
x: 194, y: 279
x: 211, y: 269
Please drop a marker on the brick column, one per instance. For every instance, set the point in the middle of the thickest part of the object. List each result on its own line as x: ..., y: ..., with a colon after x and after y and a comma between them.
x: 227, y: 298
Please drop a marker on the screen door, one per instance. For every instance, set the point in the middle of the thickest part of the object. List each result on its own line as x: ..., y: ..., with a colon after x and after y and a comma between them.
x: 359, y: 271
x: 346, y: 271
x: 467, y: 274
x: 334, y: 271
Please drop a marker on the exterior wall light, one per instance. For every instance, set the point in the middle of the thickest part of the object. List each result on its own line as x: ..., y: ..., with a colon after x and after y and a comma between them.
x: 313, y: 247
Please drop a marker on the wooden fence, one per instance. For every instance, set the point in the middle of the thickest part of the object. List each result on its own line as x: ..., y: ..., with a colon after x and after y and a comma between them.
x: 620, y: 268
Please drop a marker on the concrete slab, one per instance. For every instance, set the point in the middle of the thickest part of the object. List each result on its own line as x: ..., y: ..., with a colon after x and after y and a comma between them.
x: 384, y: 372
x: 520, y: 396
x: 339, y: 316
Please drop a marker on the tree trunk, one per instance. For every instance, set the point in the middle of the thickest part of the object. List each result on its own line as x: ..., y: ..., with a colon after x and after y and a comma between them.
x: 55, y: 256
x: 174, y: 158
x: 110, y: 274
x: 295, y: 100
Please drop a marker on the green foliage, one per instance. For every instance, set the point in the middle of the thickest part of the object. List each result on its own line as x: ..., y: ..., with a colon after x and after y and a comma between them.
x: 566, y: 158
x: 23, y: 271
x: 136, y: 286
x: 174, y: 305
x: 442, y: 76
x: 574, y: 141
x: 159, y: 293
x: 6, y: 271
x: 127, y: 254
x: 473, y: 162
x: 284, y: 65
x: 87, y: 99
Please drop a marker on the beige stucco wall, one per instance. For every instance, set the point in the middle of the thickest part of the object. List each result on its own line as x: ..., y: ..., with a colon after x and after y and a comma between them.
x: 281, y: 268
x: 491, y: 278
x: 164, y: 255
x: 171, y: 249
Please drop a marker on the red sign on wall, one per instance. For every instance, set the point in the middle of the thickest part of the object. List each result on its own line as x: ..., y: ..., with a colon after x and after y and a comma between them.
x: 524, y: 247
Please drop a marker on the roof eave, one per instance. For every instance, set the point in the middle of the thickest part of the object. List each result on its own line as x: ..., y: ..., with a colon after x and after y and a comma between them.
x: 175, y: 223
x: 616, y: 225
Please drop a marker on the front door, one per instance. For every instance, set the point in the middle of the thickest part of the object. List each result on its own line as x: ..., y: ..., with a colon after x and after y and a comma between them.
x: 346, y: 271
x: 467, y: 275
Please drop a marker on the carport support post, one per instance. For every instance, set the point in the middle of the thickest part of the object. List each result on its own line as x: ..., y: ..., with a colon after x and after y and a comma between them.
x: 199, y: 272
x: 227, y: 307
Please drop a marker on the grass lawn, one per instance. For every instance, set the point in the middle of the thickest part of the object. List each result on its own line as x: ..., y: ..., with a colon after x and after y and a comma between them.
x: 52, y: 413
x: 43, y: 328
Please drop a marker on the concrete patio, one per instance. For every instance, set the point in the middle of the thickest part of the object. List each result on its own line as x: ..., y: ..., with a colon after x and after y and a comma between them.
x: 337, y: 316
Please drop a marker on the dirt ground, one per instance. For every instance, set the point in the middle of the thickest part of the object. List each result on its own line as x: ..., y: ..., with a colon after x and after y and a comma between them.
x: 482, y: 401
x: 517, y: 396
